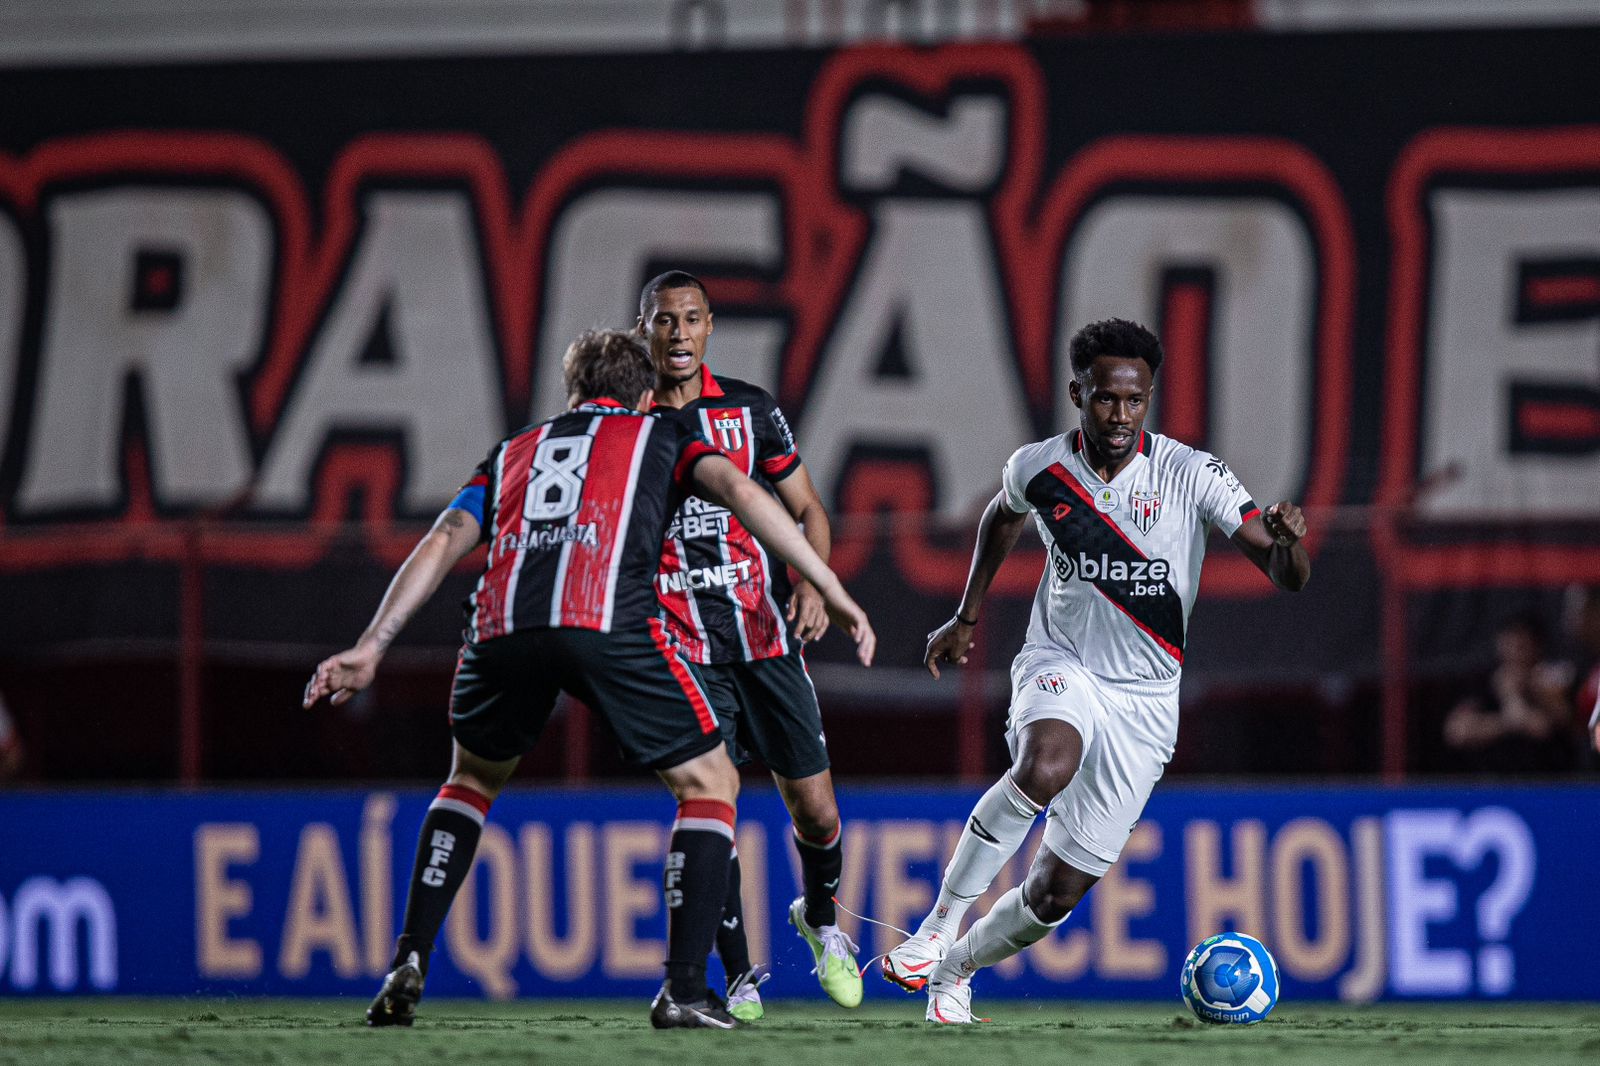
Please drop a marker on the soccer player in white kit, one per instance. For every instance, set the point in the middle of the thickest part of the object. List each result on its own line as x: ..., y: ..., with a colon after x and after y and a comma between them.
x: 1094, y: 690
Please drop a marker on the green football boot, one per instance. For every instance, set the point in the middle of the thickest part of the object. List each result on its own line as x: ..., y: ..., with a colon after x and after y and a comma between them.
x: 744, y: 994
x: 835, y: 954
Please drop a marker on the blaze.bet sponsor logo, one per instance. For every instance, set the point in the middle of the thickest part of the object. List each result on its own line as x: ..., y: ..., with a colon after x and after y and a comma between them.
x: 1140, y: 577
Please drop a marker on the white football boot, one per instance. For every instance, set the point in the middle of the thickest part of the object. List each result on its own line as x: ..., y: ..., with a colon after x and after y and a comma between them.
x: 913, y: 960
x: 950, y: 998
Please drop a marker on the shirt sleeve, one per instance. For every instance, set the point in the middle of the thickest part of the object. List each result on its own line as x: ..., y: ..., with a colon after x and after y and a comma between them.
x: 1222, y: 500
x: 777, y: 455
x: 692, y: 447
x: 473, y: 498
x: 1013, y: 482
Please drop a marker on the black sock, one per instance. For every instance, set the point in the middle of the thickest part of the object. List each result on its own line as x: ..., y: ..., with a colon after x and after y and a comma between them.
x: 732, y: 947
x: 820, y: 863
x: 445, y: 848
x: 695, y: 883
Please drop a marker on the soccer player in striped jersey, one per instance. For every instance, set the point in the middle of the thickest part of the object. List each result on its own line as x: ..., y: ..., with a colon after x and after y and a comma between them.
x: 1094, y: 700
x: 573, y: 511
x: 731, y: 607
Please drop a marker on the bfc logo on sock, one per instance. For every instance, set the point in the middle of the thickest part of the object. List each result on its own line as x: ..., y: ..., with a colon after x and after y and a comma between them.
x: 443, y: 844
x: 672, y: 878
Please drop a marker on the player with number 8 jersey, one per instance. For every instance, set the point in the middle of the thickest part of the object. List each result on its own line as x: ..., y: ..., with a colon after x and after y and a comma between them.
x: 573, y: 511
x: 563, y: 520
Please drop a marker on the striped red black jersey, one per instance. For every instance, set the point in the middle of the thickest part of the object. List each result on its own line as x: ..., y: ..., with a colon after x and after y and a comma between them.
x: 722, y: 593
x: 574, y: 510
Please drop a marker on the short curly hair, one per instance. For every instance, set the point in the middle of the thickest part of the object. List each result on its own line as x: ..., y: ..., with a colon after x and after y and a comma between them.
x: 1114, y: 337
x: 608, y: 363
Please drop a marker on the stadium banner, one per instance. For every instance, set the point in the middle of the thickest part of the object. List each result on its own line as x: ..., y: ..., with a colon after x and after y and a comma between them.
x: 1361, y: 893
x: 267, y: 297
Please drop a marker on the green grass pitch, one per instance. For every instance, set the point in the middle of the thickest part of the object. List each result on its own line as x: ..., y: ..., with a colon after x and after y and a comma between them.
x: 267, y: 1032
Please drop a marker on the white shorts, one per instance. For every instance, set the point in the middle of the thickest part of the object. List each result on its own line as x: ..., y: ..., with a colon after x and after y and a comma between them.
x: 1128, y: 729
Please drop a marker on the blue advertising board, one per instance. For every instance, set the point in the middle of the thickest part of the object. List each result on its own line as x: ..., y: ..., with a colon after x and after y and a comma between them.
x: 1361, y: 893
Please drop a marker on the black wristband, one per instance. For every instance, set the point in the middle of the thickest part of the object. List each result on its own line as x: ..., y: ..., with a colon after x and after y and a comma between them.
x: 964, y: 622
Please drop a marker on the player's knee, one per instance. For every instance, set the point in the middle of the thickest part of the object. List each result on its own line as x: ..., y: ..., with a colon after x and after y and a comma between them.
x: 483, y: 776
x: 816, y: 823
x: 483, y: 784
x: 815, y: 814
x: 709, y: 776
x: 1050, y: 903
x: 1041, y: 777
x: 1053, y: 889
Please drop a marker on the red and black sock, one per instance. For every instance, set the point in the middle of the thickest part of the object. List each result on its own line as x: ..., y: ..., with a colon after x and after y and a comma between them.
x: 821, y: 859
x: 732, y: 947
x: 695, y: 883
x: 445, y: 847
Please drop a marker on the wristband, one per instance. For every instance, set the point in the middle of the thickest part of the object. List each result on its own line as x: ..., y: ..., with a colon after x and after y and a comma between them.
x: 964, y: 622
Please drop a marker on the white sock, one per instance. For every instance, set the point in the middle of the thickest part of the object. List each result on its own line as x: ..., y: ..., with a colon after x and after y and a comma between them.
x: 996, y: 829
x: 1009, y: 927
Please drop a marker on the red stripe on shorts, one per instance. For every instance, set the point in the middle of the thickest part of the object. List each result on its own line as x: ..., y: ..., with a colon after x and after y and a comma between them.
x: 702, y: 709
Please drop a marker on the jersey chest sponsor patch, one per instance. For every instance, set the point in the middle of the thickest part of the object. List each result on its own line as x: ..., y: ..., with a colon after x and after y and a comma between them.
x: 1088, y: 545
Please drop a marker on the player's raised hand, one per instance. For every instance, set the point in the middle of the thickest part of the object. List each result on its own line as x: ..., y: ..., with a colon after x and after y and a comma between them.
x: 948, y: 644
x: 808, y: 611
x: 1285, y: 521
x: 343, y: 675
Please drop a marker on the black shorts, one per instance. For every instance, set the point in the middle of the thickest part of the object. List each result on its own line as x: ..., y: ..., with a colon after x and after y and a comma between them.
x: 505, y: 689
x: 769, y: 708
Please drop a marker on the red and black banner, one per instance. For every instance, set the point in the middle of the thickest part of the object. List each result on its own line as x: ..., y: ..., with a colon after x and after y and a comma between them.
x: 243, y: 306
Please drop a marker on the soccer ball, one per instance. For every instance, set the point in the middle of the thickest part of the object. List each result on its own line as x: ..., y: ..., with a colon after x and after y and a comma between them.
x: 1229, y: 979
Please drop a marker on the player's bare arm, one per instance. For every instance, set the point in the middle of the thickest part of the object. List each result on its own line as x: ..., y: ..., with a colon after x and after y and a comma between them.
x: 997, y: 535
x: 454, y: 534
x: 806, y: 608
x: 1272, y: 540
x: 718, y: 480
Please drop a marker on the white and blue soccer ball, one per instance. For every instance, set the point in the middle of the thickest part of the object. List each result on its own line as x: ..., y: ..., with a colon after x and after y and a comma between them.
x: 1230, y: 979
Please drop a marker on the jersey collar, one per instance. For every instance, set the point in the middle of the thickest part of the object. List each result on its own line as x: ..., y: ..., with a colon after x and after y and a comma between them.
x: 709, y: 389
x: 1077, y: 442
x: 1082, y: 457
x: 603, y: 401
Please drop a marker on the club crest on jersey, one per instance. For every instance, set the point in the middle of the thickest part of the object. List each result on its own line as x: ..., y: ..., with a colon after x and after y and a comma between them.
x: 1055, y: 684
x: 730, y: 432
x: 1144, y: 508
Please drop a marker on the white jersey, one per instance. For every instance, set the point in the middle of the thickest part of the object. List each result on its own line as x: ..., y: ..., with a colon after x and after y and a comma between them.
x: 1124, y: 556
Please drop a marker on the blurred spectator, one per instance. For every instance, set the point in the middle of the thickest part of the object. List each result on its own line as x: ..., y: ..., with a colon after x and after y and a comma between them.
x: 1519, y: 718
x: 10, y: 744
x: 1594, y: 716
x: 1581, y: 620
